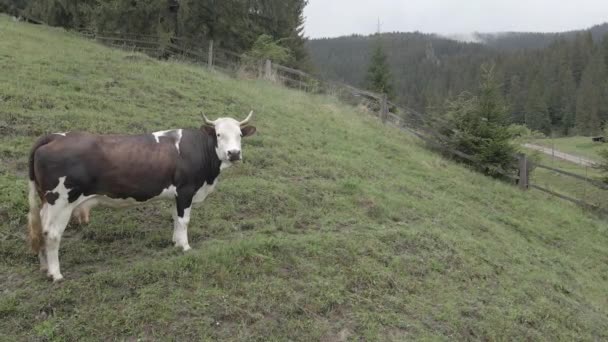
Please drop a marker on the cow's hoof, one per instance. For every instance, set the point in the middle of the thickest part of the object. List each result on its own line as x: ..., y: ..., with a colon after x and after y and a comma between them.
x: 55, y: 278
x: 185, y: 247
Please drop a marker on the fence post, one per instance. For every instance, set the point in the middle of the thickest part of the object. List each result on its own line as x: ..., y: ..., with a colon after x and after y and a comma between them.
x: 210, y: 58
x: 524, y: 178
x: 384, y: 108
x: 268, y: 70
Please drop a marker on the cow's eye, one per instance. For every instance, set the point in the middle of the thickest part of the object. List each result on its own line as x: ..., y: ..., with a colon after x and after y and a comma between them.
x: 218, y: 135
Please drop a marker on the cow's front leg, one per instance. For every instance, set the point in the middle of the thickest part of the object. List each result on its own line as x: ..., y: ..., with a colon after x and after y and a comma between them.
x: 180, y: 229
x: 181, y: 219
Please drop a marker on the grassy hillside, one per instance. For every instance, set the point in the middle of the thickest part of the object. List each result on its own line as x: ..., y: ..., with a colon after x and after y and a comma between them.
x: 334, y: 228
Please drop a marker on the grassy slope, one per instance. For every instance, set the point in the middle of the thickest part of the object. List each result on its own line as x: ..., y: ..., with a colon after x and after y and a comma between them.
x: 334, y: 228
x: 580, y: 146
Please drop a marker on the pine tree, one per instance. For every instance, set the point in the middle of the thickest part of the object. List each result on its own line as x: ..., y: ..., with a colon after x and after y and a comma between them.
x: 537, y: 114
x: 295, y: 38
x: 604, y: 48
x: 491, y: 106
x: 477, y: 125
x: 515, y: 97
x: 553, y: 77
x: 604, y: 87
x: 583, y: 47
x: 590, y: 97
x: 379, y: 77
x: 568, y: 100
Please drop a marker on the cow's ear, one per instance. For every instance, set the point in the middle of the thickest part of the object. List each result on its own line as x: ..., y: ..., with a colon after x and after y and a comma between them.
x: 208, y: 129
x: 247, y: 131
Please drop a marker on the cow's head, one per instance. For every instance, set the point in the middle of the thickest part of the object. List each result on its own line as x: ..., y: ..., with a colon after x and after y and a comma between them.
x: 228, y: 133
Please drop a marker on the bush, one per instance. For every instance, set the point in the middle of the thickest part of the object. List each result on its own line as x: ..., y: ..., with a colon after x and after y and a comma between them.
x: 266, y: 48
x: 523, y: 133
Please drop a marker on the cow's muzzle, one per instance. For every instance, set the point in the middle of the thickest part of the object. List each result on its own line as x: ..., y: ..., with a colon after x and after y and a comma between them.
x: 234, y: 155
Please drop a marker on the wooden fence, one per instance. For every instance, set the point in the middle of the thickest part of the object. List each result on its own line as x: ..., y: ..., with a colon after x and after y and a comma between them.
x: 406, y: 119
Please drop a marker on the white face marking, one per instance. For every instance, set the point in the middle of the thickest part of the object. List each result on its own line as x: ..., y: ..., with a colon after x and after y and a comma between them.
x: 172, y: 133
x: 228, y: 132
x: 203, y: 192
x: 63, y: 134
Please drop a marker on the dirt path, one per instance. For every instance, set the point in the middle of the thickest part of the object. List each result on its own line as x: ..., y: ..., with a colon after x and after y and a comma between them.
x: 561, y: 155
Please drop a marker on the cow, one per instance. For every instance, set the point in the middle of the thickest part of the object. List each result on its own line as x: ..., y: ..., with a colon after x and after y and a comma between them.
x: 70, y: 173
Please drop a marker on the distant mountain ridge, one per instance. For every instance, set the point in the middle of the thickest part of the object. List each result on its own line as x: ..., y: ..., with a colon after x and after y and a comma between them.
x: 542, y: 73
x: 534, y: 40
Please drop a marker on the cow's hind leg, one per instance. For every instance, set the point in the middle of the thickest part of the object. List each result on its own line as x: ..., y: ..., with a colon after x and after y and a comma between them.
x: 54, y: 220
x: 44, y: 266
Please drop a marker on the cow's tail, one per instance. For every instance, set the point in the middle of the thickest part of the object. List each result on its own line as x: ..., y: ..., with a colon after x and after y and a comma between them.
x: 34, y: 222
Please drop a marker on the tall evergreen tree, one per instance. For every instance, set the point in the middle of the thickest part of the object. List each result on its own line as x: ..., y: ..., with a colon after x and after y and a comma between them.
x: 477, y: 125
x: 583, y: 47
x: 516, y: 96
x: 537, y: 114
x: 568, y: 100
x: 590, y: 97
x: 379, y: 77
x: 604, y: 48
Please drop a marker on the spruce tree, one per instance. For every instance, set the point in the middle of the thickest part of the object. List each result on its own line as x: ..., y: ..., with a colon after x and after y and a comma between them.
x: 604, y: 48
x: 477, y: 125
x: 516, y: 96
x: 568, y: 100
x: 537, y: 114
x: 379, y: 77
x: 590, y: 97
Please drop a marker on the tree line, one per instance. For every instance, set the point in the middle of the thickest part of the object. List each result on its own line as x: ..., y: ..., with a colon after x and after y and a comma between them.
x: 233, y: 24
x: 560, y: 87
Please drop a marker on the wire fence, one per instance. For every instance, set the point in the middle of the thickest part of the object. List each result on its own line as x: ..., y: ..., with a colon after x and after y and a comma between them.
x: 573, y: 186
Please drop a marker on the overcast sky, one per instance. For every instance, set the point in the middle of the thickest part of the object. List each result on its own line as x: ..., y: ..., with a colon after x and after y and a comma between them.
x: 331, y: 18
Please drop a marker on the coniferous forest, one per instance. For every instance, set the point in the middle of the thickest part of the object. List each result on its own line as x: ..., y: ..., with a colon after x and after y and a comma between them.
x: 234, y: 25
x: 553, y: 83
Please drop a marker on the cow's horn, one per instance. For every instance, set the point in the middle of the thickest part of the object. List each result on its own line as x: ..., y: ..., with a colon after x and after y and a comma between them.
x: 246, y: 121
x: 207, y: 121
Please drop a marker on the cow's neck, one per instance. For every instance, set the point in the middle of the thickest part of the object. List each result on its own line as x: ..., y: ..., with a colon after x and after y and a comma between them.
x: 212, y: 165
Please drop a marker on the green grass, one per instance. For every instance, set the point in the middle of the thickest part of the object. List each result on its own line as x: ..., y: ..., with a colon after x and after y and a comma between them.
x: 567, y: 185
x: 580, y: 146
x: 334, y: 228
